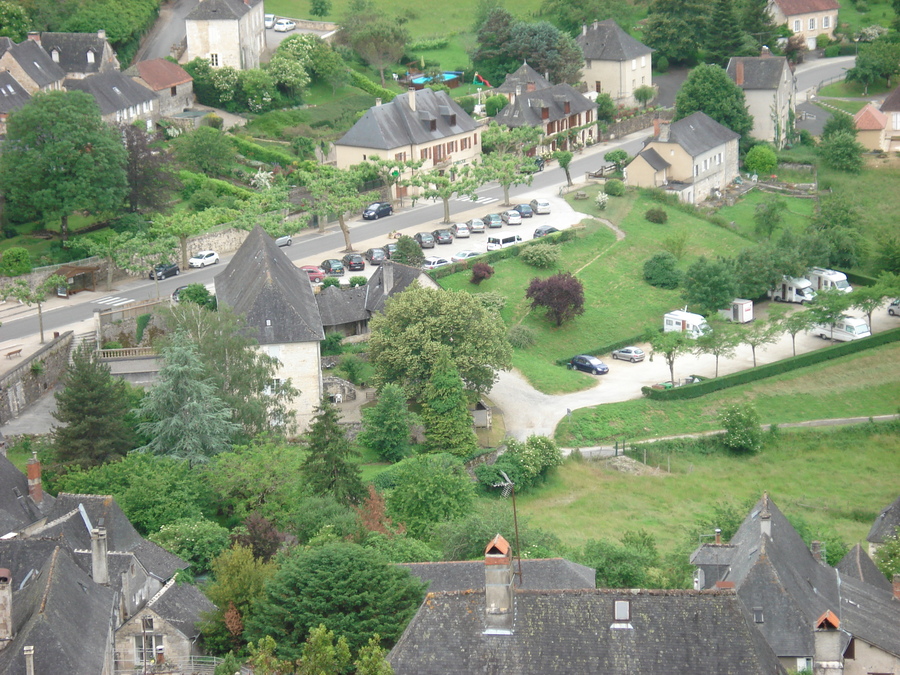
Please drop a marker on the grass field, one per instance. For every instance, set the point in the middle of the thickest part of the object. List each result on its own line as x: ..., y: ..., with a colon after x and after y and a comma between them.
x: 849, y: 107
x: 796, y: 214
x: 853, y: 89
x: 838, y: 478
x: 822, y: 391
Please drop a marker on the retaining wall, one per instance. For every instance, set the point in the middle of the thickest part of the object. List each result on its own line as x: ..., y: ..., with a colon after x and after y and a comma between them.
x: 22, y: 386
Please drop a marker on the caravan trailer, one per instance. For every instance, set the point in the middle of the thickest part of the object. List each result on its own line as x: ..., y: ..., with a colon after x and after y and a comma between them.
x: 845, y: 329
x: 679, y: 320
x: 741, y: 311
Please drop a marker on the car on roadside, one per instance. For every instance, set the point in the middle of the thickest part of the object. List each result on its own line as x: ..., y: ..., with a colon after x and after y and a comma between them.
x: 524, y: 210
x: 316, y: 274
x: 424, y: 239
x: 376, y: 256
x: 432, y: 262
x: 203, y: 259
x: 633, y: 354
x: 284, y: 26
x: 511, y: 217
x: 540, y: 206
x: 177, y: 293
x: 269, y: 21
x: 332, y: 267
x: 377, y: 210
x: 492, y: 220
x: 475, y: 225
x: 588, y: 364
x: 459, y: 256
x: 165, y: 271
x: 443, y: 236
x: 460, y: 230
x: 544, y: 230
x: 894, y: 308
x: 390, y: 249
x: 284, y: 241
x: 354, y: 262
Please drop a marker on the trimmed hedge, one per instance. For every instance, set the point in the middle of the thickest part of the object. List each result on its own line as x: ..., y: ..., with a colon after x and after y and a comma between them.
x: 262, y: 153
x: 360, y: 81
x: 192, y: 182
x: 860, y: 279
x: 606, y: 349
x: 770, y: 369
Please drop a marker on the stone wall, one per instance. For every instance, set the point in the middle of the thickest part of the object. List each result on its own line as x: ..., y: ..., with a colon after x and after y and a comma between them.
x: 22, y: 386
x: 637, y: 123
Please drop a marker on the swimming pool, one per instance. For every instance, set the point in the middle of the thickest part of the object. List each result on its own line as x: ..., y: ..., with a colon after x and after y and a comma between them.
x: 444, y: 77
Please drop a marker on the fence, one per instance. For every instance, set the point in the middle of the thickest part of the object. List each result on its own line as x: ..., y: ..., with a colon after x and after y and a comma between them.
x: 195, y: 665
x: 125, y: 353
x: 131, y: 310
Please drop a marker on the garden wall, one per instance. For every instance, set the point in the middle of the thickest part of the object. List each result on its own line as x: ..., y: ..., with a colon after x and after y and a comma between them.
x: 637, y: 123
x: 23, y: 385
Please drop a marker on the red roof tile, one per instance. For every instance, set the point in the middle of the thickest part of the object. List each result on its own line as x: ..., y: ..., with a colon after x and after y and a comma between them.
x: 870, y: 119
x: 794, y: 7
x: 161, y: 74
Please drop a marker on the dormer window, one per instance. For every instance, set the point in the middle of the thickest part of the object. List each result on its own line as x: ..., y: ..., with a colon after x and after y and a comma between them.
x: 90, y: 57
x: 54, y: 54
x: 432, y: 125
x: 758, y: 615
x: 622, y: 615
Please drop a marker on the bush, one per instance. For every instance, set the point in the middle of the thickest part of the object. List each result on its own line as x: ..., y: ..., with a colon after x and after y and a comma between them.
x: 494, y: 104
x: 656, y: 215
x: 521, y: 337
x: 261, y: 153
x: 602, y: 200
x: 480, y: 272
x: 662, y: 64
x: 467, y: 103
x: 141, y: 325
x: 832, y: 51
x: 197, y: 540
x: 353, y: 367
x: 360, y: 81
x: 542, y: 256
x: 761, y: 160
x: 331, y: 345
x: 357, y: 281
x: 16, y: 261
x: 742, y: 430
x: 491, y: 300
x: 614, y: 188
x: 330, y: 281
x: 861, y: 6
x: 661, y: 271
x: 807, y: 139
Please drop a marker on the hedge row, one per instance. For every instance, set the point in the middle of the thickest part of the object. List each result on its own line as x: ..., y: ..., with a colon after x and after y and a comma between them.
x: 770, y: 369
x: 262, y: 153
x: 860, y: 279
x: 192, y: 182
x: 606, y: 349
x: 360, y: 81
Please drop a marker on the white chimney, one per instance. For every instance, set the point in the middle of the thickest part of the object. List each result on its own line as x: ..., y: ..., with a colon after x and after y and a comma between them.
x: 499, y: 591
x: 377, y: 102
x: 101, y: 34
x: 29, y: 659
x: 584, y: 29
x: 412, y: 99
x: 6, y: 623
x: 765, y: 518
x: 828, y: 645
x: 99, y: 564
x: 663, y: 132
x: 387, y: 276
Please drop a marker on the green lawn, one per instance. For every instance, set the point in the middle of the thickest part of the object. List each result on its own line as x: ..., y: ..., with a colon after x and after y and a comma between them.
x: 879, y: 13
x: 822, y: 391
x: 796, y: 215
x: 849, y: 107
x: 853, y: 89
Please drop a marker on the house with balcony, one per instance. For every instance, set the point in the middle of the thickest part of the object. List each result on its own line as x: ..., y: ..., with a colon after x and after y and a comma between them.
x: 614, y: 62
x: 806, y: 18
x: 227, y: 33
x: 564, y: 115
x: 770, y: 91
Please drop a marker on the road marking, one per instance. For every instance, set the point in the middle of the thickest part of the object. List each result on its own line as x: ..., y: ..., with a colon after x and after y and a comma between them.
x: 482, y: 200
x: 113, y: 300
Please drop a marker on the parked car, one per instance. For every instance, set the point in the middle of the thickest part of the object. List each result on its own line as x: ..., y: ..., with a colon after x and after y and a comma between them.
x: 284, y: 25
x: 589, y: 364
x: 424, y: 239
x: 204, y: 258
x: 894, y: 308
x: 269, y: 21
x: 544, y: 230
x: 443, y: 236
x: 390, y: 249
x: 177, y: 293
x: 464, y: 255
x: 536, y: 164
x: 493, y: 220
x: 316, y: 274
x: 633, y: 354
x: 376, y: 256
x: 433, y: 262
x: 284, y: 241
x: 476, y: 226
x: 524, y: 210
x: 165, y: 271
x: 511, y: 217
x: 332, y: 267
x: 540, y: 206
x: 377, y: 210
x: 354, y: 262
x: 460, y: 230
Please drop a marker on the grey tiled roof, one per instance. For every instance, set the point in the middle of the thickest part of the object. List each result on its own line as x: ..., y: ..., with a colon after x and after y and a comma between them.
x: 339, y: 306
x: 540, y: 575
x: 760, y: 72
x: 698, y: 133
x: 891, y: 103
x: 16, y: 508
x: 524, y: 75
x: 858, y: 565
x: 395, y: 124
x: 606, y: 41
x: 36, y: 63
x: 558, y: 632
x: 212, y: 10
x: 526, y: 109
x: 886, y: 523
x: 654, y: 159
x: 65, y: 520
x: 276, y: 297
x: 12, y: 95
x: 181, y: 605
x: 112, y: 90
x: 402, y: 277
x: 73, y: 49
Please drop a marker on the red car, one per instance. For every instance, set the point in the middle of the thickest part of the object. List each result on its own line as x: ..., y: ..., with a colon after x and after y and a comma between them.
x: 316, y: 275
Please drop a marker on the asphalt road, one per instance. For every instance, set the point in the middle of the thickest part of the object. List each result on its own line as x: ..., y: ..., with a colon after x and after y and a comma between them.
x: 168, y: 30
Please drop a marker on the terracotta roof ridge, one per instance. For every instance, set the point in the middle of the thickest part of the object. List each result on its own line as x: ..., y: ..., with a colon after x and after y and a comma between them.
x: 53, y: 558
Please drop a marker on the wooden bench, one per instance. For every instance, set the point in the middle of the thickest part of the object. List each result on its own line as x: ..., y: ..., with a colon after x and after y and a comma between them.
x: 14, y: 352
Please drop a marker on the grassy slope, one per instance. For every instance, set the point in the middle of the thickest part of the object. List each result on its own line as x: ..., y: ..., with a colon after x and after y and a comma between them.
x: 796, y: 214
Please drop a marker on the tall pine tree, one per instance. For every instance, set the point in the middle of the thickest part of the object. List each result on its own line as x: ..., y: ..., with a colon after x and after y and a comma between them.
x: 727, y: 39
x: 329, y: 468
x: 445, y: 412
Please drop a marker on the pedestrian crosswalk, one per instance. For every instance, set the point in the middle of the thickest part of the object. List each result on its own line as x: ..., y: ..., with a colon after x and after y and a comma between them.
x: 113, y: 301
x: 480, y: 200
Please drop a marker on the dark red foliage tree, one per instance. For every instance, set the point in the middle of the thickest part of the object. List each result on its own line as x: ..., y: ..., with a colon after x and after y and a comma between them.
x: 480, y: 272
x: 261, y: 535
x: 562, y: 295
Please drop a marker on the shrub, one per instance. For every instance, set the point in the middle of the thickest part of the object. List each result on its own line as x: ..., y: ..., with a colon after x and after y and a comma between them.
x: 661, y: 271
x: 614, y: 188
x: 742, y: 430
x: 491, y: 300
x: 807, y: 139
x: 352, y: 366
x: 330, y: 281
x: 662, y: 64
x: 602, y: 200
x: 360, y: 81
x: 467, y: 103
x: 16, y: 261
x: 542, y: 256
x: 212, y: 120
x: 331, y: 345
x: 861, y: 6
x: 761, y: 160
x: 357, y: 281
x: 480, y: 272
x: 494, y: 104
x: 831, y: 51
x: 521, y: 337
x: 656, y: 215
x: 141, y: 325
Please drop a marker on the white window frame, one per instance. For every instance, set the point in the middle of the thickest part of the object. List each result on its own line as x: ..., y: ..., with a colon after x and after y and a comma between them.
x: 826, y: 22
x: 797, y: 25
x: 643, y: 61
x: 634, y: 64
x: 812, y: 23
x: 214, y: 60
x: 90, y: 56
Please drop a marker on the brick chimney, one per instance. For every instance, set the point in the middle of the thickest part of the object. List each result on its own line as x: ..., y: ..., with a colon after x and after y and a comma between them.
x: 896, y: 584
x: 816, y: 548
x: 99, y: 564
x: 499, y: 591
x: 718, y: 536
x: 656, y: 127
x: 765, y: 518
x: 6, y: 620
x: 35, y: 488
x: 34, y: 36
x: 765, y: 52
x: 29, y: 659
x: 545, y: 112
x: 739, y: 73
x: 530, y: 86
x: 412, y: 99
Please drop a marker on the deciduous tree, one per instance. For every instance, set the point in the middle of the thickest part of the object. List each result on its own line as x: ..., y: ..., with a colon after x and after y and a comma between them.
x: 564, y: 157
x: 562, y: 295
x: 206, y: 150
x: 670, y: 346
x: 329, y: 468
x: 721, y: 341
x: 28, y: 294
x: 841, y: 152
x: 758, y: 334
x: 829, y: 307
x: 335, y: 191
x: 768, y: 215
x: 14, y: 21
x: 440, y: 184
x: 837, y: 123
x: 196, y: 540
x: 625, y: 565
x: 867, y: 299
x: 761, y: 160
x: 742, y: 430
x: 708, y: 286
x: 708, y: 89
x: 386, y: 426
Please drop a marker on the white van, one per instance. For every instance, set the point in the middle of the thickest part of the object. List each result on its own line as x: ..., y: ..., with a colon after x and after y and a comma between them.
x: 679, y: 320
x: 846, y: 328
x: 507, y: 240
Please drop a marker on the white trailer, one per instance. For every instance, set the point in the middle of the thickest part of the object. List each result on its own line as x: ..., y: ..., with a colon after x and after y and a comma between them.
x: 793, y: 290
x: 845, y: 329
x: 679, y: 320
x: 741, y: 311
x: 823, y: 279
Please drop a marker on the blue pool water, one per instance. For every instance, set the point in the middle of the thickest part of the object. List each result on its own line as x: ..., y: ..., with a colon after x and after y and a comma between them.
x: 443, y: 77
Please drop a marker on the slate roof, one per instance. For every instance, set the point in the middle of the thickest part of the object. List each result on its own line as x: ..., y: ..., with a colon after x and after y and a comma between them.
x: 222, y: 10
x: 698, y: 133
x: 160, y: 74
x: 402, y: 277
x: 112, y: 90
x: 885, y: 524
x: 16, y: 507
x: 395, y: 124
x: 858, y: 565
x: 537, y: 574
x: 276, y: 297
x: 339, y: 306
x: 870, y: 118
x: 891, y: 103
x: 73, y: 49
x: 606, y: 41
x: 12, y: 95
x: 181, y: 605
x: 653, y: 158
x: 760, y: 72
x: 36, y: 63
x: 524, y: 75
x: 793, y: 7
x: 526, y: 109
x: 571, y: 631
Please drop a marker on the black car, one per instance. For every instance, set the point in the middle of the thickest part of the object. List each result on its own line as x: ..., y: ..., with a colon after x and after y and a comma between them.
x: 443, y: 236
x: 377, y: 210
x: 376, y: 256
x: 544, y: 230
x: 424, y: 239
x: 589, y: 364
x: 165, y: 271
x: 332, y: 267
x: 390, y: 249
x: 524, y: 210
x: 354, y: 262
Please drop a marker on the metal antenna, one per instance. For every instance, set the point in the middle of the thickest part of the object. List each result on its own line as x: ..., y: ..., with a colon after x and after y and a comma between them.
x: 509, y: 488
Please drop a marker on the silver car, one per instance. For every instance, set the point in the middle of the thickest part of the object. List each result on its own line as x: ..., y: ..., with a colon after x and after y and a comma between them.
x: 284, y: 241
x: 460, y: 230
x: 633, y: 354
x: 476, y: 226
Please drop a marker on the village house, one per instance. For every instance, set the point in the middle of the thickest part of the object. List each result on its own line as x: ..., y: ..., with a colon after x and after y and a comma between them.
x: 770, y: 91
x: 227, y: 33
x: 891, y: 107
x: 79, y: 54
x: 31, y: 66
x: 614, y: 62
x: 524, y: 80
x: 885, y: 526
x: 12, y: 97
x: 173, y: 85
x: 871, y: 128
x: 806, y: 18
x: 564, y: 115
x: 121, y: 100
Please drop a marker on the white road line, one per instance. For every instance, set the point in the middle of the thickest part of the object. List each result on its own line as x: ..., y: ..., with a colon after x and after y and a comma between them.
x: 113, y: 300
x: 482, y: 200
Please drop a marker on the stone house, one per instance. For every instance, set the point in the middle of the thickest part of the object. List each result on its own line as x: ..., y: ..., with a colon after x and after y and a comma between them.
x: 419, y: 125
x: 79, y: 54
x: 524, y: 80
x: 121, y: 100
x: 563, y: 114
x: 173, y: 85
x: 227, y: 33
x: 31, y: 66
x: 891, y: 107
x: 12, y: 97
x: 614, y: 62
x: 871, y: 128
x: 807, y: 18
x: 770, y: 91
x: 693, y: 158
x: 885, y: 526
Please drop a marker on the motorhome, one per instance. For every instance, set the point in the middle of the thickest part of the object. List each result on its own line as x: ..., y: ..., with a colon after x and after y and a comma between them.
x: 505, y: 241
x: 793, y: 290
x: 680, y: 320
x: 823, y: 279
x: 741, y: 311
x: 845, y: 329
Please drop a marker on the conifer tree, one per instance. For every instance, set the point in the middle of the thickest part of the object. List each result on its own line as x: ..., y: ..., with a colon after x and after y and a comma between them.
x: 445, y: 413
x: 386, y: 425
x: 727, y: 39
x: 329, y: 469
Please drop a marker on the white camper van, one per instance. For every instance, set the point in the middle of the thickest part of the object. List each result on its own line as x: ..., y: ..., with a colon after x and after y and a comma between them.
x: 679, y: 320
x: 793, y: 290
x: 505, y: 241
x: 741, y: 311
x: 822, y: 279
x: 845, y: 329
